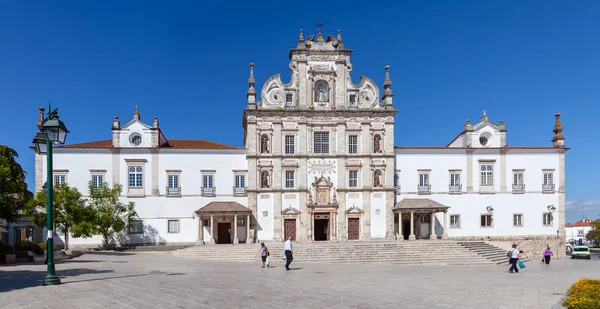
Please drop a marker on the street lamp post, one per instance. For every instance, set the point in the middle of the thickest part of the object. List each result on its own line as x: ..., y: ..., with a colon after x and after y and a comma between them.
x: 52, y: 131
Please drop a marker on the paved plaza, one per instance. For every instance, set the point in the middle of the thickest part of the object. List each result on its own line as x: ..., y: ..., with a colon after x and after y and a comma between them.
x: 160, y: 280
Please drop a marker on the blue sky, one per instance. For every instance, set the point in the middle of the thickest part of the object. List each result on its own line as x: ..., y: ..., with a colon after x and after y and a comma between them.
x: 187, y: 62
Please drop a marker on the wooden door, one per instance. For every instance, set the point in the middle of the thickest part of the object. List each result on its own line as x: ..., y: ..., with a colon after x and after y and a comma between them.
x: 224, y: 233
x: 290, y: 229
x: 353, y: 228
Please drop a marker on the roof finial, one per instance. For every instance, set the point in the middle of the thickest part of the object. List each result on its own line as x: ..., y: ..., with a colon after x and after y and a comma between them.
x: 41, y: 119
x: 339, y: 37
x: 319, y: 26
x: 558, y: 141
x: 251, y: 95
x: 388, y: 82
x: 155, y: 122
x: 116, y: 123
x: 136, y: 114
x: 468, y: 126
x: 484, y: 117
x: 301, y: 38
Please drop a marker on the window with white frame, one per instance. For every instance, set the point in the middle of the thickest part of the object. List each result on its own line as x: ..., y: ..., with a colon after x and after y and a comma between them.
x: 579, y: 233
x: 60, y: 179
x: 548, y: 179
x: 207, y: 181
x: 173, y: 226
x: 135, y: 176
x: 454, y: 180
x: 487, y: 175
x: 241, y: 222
x: 173, y: 181
x: 486, y: 220
x: 136, y: 227
x: 352, y: 100
x: 240, y: 181
x: 547, y: 219
x: 423, y: 179
x: 352, y: 143
x: 455, y: 221
x: 288, y: 99
x: 517, y: 178
x: 97, y: 181
x: 289, y: 179
x: 353, y: 179
x: 518, y: 220
x: 289, y: 144
x: 321, y: 142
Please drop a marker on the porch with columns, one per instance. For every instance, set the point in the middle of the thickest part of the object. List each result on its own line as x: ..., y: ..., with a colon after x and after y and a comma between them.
x: 420, y: 208
x: 226, y: 216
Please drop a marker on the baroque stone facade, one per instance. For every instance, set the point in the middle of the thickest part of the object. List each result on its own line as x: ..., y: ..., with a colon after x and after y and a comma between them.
x: 320, y: 149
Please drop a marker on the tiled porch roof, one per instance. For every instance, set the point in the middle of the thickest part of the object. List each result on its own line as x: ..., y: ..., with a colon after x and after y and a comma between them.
x: 409, y: 204
x: 223, y: 207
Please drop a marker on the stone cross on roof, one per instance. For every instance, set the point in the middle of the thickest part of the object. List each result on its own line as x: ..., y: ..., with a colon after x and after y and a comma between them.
x: 319, y: 26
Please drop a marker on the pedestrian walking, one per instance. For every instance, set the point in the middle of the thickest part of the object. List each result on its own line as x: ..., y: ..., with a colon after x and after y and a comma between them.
x: 264, y: 254
x: 547, y: 254
x: 289, y: 253
x: 514, y: 256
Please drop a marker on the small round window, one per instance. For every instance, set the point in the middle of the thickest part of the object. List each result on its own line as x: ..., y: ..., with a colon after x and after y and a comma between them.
x: 483, y: 140
x: 136, y: 140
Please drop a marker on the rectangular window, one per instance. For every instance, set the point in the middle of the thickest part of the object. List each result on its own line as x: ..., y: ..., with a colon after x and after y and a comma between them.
x: 518, y: 220
x: 455, y: 221
x: 321, y: 142
x: 487, y: 175
x: 59, y: 179
x: 547, y: 219
x: 206, y: 222
x: 288, y: 99
x: 135, y: 176
x: 289, y: 144
x: 352, y: 179
x: 423, y: 180
x: 207, y: 181
x: 454, y: 180
x: 396, y: 180
x: 240, y: 181
x: 352, y: 143
x: 137, y: 227
x: 352, y: 100
x: 97, y: 181
x: 486, y: 220
x: 579, y: 233
x: 289, y: 179
x: 518, y: 179
x: 173, y: 181
x: 241, y: 222
x: 173, y: 226
x: 548, y: 179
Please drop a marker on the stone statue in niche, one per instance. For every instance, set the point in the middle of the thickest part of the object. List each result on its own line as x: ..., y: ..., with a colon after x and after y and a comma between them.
x: 264, y: 144
x: 377, y: 143
x: 321, y: 90
x: 264, y: 182
x: 377, y: 178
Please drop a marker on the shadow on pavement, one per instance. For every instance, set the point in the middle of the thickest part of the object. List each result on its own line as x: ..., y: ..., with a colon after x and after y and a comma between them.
x: 20, y: 279
x: 105, y: 278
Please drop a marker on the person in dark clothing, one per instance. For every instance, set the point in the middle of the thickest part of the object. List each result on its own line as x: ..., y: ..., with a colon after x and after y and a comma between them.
x: 289, y: 253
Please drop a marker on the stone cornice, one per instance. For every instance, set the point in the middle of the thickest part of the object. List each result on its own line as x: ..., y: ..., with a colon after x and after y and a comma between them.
x: 312, y: 113
x: 320, y: 156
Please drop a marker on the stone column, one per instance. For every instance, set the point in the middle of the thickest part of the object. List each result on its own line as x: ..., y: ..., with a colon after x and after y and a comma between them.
x: 212, y: 229
x: 200, y: 240
x: 310, y: 226
x: 235, y: 237
x: 248, y: 238
x: 445, y: 235
x: 400, y: 235
x: 432, y: 234
x: 412, y: 226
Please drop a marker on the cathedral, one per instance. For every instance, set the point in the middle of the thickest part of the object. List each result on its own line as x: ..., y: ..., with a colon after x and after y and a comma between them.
x: 319, y: 163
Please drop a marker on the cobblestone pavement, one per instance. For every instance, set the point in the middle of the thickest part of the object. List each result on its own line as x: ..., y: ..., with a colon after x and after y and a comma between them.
x: 160, y: 280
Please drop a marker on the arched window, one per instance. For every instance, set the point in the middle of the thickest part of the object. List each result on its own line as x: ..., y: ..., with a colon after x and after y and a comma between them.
x: 264, y: 144
x: 264, y: 179
x: 377, y: 143
x: 321, y: 91
x: 377, y: 178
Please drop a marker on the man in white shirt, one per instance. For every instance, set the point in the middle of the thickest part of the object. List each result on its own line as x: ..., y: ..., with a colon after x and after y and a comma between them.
x: 514, y: 256
x: 289, y: 254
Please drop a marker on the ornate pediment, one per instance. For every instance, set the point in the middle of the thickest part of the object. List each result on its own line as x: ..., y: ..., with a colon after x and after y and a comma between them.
x: 323, y: 189
x: 354, y: 210
x: 290, y: 211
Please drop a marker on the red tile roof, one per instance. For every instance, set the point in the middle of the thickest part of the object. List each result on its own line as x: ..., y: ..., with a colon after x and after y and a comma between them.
x: 213, y: 207
x: 579, y: 223
x: 419, y: 203
x: 172, y: 143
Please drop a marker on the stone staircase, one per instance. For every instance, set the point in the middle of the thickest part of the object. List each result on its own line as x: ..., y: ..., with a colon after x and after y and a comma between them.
x: 420, y: 252
x: 491, y: 252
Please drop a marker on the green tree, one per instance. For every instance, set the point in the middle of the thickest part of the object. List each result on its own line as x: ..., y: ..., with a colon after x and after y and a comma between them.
x: 594, y: 233
x: 13, y: 189
x: 111, y: 215
x: 71, y: 214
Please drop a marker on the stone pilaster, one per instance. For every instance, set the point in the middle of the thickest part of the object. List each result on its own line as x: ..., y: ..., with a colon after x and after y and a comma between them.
x: 39, y: 171
x: 503, y: 170
x: 116, y: 167
x: 389, y: 215
x: 366, y: 231
x: 469, y: 171
x: 561, y: 204
x: 341, y: 217
x: 154, y: 166
x: 277, y: 220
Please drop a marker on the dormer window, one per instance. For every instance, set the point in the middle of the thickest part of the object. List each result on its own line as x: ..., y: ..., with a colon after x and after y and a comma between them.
x: 136, y: 139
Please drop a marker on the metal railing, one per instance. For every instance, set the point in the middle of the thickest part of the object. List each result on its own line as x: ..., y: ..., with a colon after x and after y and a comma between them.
x: 548, y: 188
x: 209, y: 191
x: 173, y: 191
x: 455, y: 188
x: 518, y: 188
x: 426, y: 189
